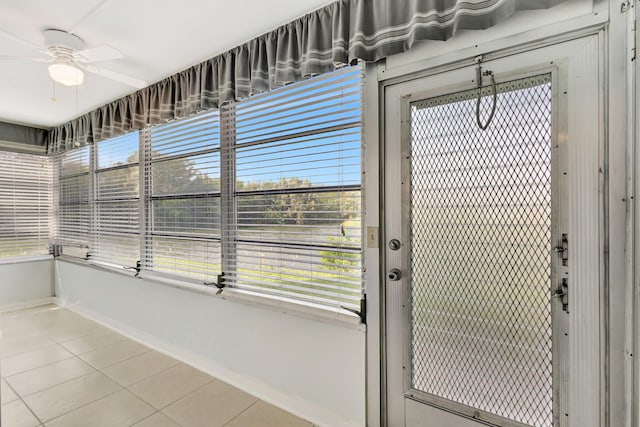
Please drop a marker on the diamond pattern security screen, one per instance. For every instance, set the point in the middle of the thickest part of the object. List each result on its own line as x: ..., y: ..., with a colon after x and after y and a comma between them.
x: 480, y: 256
x: 25, y: 204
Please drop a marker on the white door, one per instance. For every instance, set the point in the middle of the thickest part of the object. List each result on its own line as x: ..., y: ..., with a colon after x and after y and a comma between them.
x: 493, y: 252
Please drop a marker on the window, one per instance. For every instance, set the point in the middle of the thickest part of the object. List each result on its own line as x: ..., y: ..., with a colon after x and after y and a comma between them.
x: 266, y: 191
x: 73, y: 182
x: 297, y: 159
x: 25, y: 204
x: 183, y: 198
x: 116, y: 239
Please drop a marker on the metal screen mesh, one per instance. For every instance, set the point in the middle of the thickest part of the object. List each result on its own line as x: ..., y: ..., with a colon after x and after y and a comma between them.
x: 481, y: 251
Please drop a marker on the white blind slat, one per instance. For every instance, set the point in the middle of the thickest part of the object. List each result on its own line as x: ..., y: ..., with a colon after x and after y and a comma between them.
x: 26, y: 204
x: 267, y: 190
x: 183, y: 197
x: 116, y: 236
x: 297, y: 170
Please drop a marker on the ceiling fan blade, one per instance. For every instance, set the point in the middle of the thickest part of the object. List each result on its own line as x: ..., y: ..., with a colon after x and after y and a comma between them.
x: 100, y: 53
x: 118, y: 77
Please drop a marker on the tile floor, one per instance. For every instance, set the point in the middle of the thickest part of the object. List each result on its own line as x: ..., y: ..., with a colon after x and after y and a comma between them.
x: 61, y: 369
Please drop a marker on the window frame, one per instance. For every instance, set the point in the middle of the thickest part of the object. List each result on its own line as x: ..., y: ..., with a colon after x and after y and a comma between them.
x: 229, y: 197
x: 26, y: 237
x: 149, y: 233
x: 97, y: 202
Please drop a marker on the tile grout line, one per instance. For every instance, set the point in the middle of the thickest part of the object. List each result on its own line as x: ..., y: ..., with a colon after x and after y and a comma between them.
x: 241, y: 412
x: 141, y: 379
x: 61, y: 344
x: 120, y: 361
x: 54, y: 342
x: 22, y: 353
x: 24, y: 403
x: 95, y: 370
x: 165, y: 407
x: 158, y: 411
x: 63, y: 382
x: 142, y: 419
x: 82, y: 406
x: 41, y: 366
x: 173, y: 401
x: 95, y: 331
x: 72, y: 355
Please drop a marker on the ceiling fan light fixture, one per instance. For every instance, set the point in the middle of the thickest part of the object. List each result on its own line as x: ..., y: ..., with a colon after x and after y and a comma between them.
x: 66, y: 74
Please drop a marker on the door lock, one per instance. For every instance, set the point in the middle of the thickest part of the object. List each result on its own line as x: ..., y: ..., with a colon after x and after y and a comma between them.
x: 394, y: 275
x: 394, y: 244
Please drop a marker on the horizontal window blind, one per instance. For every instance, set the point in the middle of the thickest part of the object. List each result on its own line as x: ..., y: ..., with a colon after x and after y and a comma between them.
x: 267, y: 191
x: 116, y: 239
x: 26, y: 204
x: 72, y: 197
x: 296, y: 158
x: 182, y: 176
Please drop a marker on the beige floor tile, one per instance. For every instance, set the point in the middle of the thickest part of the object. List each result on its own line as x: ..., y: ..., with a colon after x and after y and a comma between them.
x: 33, y: 359
x: 213, y: 405
x: 170, y: 385
x: 264, y: 415
x: 60, y: 319
x: 17, y: 329
x: 7, y: 393
x: 93, y: 341
x: 67, y: 332
x: 119, y: 409
x: 29, y: 382
x: 66, y: 397
x: 139, y: 367
x: 114, y: 353
x: 24, y: 344
x: 157, y: 420
x: 16, y: 414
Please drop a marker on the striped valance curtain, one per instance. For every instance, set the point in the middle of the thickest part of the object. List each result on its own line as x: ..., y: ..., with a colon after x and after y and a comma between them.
x: 24, y: 139
x: 319, y: 42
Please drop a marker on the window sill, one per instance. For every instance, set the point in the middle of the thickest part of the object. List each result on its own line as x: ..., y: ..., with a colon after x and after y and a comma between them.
x: 111, y: 268
x: 312, y: 311
x: 298, y: 308
x: 26, y: 258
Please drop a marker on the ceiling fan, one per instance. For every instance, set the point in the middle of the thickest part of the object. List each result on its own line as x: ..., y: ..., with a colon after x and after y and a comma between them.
x: 68, y: 57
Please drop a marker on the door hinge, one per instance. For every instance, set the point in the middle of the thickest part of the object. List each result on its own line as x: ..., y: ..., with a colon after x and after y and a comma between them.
x: 625, y: 5
x: 563, y: 249
x: 563, y: 293
x: 633, y: 41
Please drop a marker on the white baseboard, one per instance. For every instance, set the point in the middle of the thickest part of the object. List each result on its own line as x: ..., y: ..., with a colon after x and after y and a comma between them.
x: 27, y: 304
x: 298, y: 407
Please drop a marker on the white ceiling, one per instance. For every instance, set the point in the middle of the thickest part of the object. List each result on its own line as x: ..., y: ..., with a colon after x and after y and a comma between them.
x: 157, y: 38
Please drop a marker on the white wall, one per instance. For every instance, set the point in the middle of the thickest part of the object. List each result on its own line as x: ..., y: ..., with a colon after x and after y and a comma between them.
x: 309, y: 367
x: 25, y: 282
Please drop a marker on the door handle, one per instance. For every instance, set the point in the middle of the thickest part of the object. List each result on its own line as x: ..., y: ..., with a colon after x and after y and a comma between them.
x: 394, y: 275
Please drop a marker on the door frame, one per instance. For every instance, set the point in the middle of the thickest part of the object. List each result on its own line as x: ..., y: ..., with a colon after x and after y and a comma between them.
x: 467, y: 63
x: 558, y: 224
